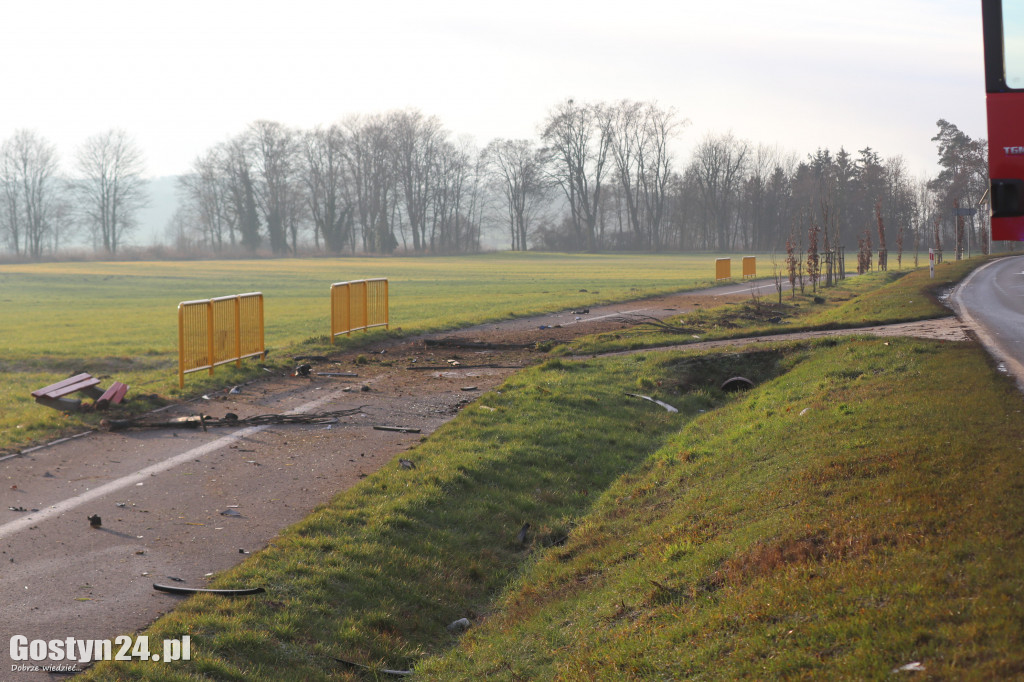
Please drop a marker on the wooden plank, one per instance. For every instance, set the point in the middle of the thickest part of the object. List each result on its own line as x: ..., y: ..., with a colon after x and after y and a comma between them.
x: 69, y: 385
x: 115, y: 394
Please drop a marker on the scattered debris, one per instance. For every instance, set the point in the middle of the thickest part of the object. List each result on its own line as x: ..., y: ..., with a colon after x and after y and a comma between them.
x: 460, y: 625
x: 235, y: 390
x: 231, y: 419
x: 303, y: 370
x: 488, y: 408
x: 452, y: 342
x: 406, y: 463
x: 55, y: 395
x: 737, y: 384
x: 177, y: 580
x: 243, y: 551
x: 656, y: 324
x: 383, y: 671
x: 914, y: 667
x: 468, y: 388
x: 583, y: 311
x: 171, y: 589
x: 804, y: 411
x: 95, y: 521
x: 113, y: 395
x: 20, y: 509
x: 230, y: 512
x: 483, y: 366
x: 400, y: 429
x: 668, y: 408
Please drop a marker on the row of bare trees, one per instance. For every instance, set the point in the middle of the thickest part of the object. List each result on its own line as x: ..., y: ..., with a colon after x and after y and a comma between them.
x: 600, y: 176
x: 41, y: 209
x: 370, y: 183
x: 398, y: 181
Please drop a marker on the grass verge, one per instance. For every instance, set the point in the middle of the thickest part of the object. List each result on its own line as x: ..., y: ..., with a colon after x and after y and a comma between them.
x: 871, y: 299
x: 848, y: 518
x: 850, y: 515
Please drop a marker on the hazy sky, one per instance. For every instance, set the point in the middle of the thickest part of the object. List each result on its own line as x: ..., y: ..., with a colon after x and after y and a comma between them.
x: 183, y: 76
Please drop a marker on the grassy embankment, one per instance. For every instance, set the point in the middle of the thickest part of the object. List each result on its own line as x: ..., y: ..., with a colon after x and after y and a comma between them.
x: 119, y: 320
x: 859, y: 510
x: 854, y: 302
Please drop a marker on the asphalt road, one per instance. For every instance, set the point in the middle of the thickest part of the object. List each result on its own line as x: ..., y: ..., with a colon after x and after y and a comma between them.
x: 991, y: 302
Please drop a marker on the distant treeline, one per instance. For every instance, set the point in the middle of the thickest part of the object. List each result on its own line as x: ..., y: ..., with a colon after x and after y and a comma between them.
x: 599, y: 177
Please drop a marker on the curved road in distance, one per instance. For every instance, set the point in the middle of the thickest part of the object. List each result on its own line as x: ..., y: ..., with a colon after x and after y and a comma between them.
x: 991, y: 302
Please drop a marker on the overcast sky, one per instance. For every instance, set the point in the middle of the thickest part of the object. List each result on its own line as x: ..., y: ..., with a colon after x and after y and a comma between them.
x: 181, y: 76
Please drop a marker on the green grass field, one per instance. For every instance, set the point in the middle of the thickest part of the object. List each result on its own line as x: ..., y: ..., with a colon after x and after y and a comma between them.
x: 857, y: 511
x: 119, y: 320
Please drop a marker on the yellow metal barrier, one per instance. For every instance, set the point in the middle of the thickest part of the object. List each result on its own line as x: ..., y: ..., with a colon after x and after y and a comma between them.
x: 360, y: 304
x: 750, y: 266
x: 217, y: 331
x: 723, y: 268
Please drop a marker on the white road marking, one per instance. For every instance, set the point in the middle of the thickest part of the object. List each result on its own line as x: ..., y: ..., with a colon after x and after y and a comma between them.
x: 142, y: 474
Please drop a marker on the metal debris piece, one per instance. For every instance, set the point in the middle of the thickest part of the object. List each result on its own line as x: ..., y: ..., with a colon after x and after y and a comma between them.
x: 383, y: 671
x: 400, y: 429
x: 171, y: 589
x: 303, y: 370
x: 737, y: 384
x: 230, y: 512
x: 407, y: 463
x: 668, y: 408
x: 460, y: 625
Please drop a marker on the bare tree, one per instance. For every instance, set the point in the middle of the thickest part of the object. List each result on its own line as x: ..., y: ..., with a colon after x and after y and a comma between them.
x: 641, y: 133
x: 32, y: 193
x: 206, y: 191
x: 111, y: 188
x: 416, y: 140
x: 514, y: 168
x: 578, y: 139
x: 718, y: 168
x: 451, y: 228
x: 241, y: 191
x: 368, y: 163
x: 330, y: 201
x: 275, y: 150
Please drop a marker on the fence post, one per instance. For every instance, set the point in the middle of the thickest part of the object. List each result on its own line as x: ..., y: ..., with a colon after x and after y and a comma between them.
x: 181, y: 346
x: 210, y: 334
x: 238, y: 331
